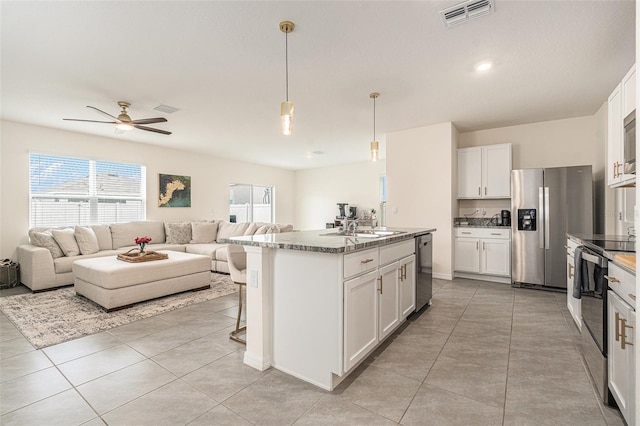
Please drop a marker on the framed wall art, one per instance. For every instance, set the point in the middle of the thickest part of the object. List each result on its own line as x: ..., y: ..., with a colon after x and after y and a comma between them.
x: 174, y: 191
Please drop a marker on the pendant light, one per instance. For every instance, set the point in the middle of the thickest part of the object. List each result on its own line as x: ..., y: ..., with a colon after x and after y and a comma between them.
x: 286, y: 107
x: 375, y: 146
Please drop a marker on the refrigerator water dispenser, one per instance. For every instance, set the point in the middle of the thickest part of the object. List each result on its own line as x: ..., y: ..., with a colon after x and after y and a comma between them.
x: 526, y: 219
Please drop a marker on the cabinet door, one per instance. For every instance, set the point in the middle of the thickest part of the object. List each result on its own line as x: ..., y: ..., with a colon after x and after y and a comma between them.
x: 467, y: 254
x: 407, y: 277
x: 496, y: 171
x: 389, y: 297
x: 495, y: 257
x: 360, y: 317
x: 574, y: 305
x: 469, y: 172
x: 629, y: 92
x: 614, y: 142
x: 621, y: 325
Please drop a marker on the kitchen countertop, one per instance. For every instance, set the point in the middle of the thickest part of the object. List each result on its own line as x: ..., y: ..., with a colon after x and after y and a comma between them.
x: 317, y: 241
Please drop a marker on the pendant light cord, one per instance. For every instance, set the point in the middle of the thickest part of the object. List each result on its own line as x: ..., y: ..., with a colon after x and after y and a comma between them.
x: 286, y: 63
x: 374, y: 118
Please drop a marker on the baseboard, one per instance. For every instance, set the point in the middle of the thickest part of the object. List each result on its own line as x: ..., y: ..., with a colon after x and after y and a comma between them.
x: 492, y: 278
x: 440, y: 276
x: 258, y: 363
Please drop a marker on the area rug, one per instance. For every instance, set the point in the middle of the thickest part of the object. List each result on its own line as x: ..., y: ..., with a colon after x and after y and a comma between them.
x: 60, y: 315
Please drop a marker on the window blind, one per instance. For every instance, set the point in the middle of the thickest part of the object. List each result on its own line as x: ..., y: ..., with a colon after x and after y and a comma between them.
x: 73, y: 191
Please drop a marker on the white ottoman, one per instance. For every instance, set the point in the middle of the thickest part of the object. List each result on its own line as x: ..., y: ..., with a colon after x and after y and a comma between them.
x: 115, y: 284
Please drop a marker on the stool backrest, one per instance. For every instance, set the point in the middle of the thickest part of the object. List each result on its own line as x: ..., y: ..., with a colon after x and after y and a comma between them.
x: 237, y: 261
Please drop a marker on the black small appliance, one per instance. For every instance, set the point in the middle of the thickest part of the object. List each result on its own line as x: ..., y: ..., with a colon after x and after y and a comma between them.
x: 506, y: 217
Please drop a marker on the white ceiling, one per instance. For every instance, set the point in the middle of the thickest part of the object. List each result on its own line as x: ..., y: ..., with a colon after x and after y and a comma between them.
x: 222, y: 65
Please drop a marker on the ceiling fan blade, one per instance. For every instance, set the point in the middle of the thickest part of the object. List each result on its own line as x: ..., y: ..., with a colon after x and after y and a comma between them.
x: 149, y: 120
x: 104, y: 113
x: 90, y: 121
x: 151, y: 129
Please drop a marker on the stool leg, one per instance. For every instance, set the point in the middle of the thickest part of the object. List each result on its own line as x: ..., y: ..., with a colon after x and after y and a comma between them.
x: 234, y: 333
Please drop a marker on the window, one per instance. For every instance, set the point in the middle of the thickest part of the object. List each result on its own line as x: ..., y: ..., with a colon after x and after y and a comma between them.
x: 251, y: 203
x: 74, y: 191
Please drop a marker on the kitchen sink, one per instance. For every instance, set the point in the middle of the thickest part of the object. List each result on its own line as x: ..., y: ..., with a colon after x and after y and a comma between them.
x: 369, y: 233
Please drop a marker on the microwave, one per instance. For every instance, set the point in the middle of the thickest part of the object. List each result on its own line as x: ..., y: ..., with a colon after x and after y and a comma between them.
x: 630, y: 143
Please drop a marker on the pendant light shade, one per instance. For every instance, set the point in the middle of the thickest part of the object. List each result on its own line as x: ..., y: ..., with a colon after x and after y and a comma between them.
x: 375, y: 145
x: 286, y: 108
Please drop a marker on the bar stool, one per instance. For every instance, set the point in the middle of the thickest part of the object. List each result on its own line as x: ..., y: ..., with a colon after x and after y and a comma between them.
x: 237, y: 261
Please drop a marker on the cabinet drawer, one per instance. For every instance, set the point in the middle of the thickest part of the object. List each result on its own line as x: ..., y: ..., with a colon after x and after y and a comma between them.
x: 483, y: 233
x: 571, y: 247
x: 622, y: 283
x: 362, y: 261
x: 396, y: 251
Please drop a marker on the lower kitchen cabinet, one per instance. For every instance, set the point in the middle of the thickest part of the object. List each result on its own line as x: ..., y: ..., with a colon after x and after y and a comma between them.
x: 574, y: 305
x: 621, y: 363
x: 483, y: 251
x: 377, y: 302
x: 360, y: 317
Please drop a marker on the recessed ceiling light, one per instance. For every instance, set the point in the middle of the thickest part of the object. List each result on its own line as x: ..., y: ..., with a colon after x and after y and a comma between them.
x: 483, y: 66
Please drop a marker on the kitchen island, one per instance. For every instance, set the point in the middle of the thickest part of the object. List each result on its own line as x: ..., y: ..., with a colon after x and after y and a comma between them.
x: 318, y: 302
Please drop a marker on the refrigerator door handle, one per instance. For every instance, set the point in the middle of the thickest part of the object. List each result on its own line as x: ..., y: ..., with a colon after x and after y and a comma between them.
x: 541, y: 207
x: 546, y: 217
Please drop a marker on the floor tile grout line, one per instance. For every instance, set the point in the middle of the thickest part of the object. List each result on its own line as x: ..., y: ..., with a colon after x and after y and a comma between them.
x: 506, y: 384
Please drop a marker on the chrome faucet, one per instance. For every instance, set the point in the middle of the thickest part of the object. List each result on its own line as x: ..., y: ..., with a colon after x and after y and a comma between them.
x: 350, y: 226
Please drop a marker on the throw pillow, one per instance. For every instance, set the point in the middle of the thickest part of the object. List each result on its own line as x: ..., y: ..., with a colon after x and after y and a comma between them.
x: 228, y: 230
x: 178, y: 233
x: 67, y: 241
x: 203, y: 232
x: 103, y: 234
x: 86, y: 239
x: 45, y: 239
x: 268, y: 229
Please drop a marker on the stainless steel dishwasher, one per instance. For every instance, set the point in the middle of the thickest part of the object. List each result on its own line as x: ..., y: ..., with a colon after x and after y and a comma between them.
x: 424, y: 270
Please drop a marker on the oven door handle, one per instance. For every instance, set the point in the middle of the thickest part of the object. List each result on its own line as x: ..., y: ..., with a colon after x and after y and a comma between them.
x: 600, y: 261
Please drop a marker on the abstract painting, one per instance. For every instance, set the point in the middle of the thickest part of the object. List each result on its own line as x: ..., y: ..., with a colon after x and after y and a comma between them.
x: 174, y: 191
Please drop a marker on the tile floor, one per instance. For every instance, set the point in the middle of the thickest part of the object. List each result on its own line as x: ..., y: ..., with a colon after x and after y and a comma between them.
x: 483, y: 354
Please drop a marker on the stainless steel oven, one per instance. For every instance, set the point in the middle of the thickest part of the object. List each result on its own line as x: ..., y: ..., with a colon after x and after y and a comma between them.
x: 594, y: 317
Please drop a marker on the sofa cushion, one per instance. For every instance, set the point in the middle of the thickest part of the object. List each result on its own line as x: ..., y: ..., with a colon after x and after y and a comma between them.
x: 271, y: 228
x: 228, y: 230
x: 285, y: 228
x: 203, y: 232
x: 67, y: 241
x: 103, y: 234
x: 86, y: 239
x: 205, y: 249
x: 45, y: 239
x: 177, y: 233
x: 124, y: 234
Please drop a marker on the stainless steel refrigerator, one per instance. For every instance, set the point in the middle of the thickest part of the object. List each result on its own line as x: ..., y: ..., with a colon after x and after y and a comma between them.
x: 546, y: 204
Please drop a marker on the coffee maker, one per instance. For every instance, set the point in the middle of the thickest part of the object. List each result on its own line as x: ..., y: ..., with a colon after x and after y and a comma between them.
x: 506, y: 217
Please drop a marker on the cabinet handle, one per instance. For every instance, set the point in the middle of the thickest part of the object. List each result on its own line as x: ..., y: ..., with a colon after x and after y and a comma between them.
x: 485, y: 190
x: 477, y: 242
x: 404, y: 272
x: 623, y: 334
x: 366, y: 261
x: 380, y: 288
x: 617, y: 326
x: 466, y: 233
x: 570, y: 268
x: 483, y: 246
x: 479, y: 193
x: 633, y: 296
x: 495, y: 233
x: 611, y: 279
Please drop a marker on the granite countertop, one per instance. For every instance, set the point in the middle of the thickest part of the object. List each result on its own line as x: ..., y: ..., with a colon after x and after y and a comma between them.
x: 317, y: 241
x: 477, y: 222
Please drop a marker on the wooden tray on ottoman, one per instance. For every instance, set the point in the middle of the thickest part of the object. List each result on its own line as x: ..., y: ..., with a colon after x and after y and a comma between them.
x: 142, y: 257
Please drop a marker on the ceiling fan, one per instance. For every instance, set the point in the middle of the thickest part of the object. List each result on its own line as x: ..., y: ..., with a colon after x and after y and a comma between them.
x: 123, y: 122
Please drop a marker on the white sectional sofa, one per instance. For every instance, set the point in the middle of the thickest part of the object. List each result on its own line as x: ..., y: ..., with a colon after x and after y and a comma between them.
x: 46, y: 261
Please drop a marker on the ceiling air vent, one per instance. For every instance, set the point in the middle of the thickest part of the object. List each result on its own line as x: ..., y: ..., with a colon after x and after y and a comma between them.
x: 464, y: 11
x: 166, y: 108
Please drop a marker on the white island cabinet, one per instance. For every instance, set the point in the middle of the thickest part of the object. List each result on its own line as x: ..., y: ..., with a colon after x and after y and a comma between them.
x: 318, y: 305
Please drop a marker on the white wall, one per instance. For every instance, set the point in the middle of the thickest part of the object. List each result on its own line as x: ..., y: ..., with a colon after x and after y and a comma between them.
x: 318, y: 190
x: 210, y: 177
x: 421, y: 178
x: 569, y: 142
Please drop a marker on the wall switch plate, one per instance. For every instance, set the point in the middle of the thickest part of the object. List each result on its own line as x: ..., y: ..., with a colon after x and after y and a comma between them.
x: 253, y: 278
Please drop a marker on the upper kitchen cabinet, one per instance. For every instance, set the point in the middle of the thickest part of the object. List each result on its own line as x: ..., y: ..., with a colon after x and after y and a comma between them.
x: 621, y: 102
x: 484, y: 171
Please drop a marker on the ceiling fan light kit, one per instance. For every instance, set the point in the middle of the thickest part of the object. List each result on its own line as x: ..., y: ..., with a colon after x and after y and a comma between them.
x: 286, y: 108
x: 374, y: 147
